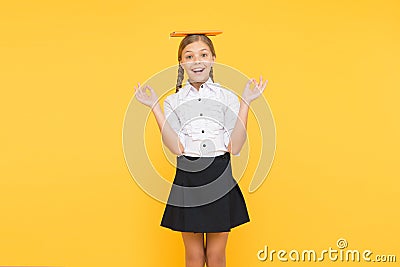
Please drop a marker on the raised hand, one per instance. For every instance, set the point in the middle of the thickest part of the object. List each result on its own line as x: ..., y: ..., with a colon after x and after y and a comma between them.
x: 251, y: 94
x: 142, y: 96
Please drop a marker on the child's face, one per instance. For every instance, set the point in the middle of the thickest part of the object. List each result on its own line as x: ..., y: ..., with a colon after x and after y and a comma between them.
x: 197, y: 60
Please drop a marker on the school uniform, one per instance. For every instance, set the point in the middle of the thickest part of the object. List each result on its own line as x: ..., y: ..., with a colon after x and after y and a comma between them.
x: 204, y: 196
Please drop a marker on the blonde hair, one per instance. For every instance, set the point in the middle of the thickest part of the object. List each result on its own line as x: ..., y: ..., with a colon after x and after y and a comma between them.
x: 191, y: 38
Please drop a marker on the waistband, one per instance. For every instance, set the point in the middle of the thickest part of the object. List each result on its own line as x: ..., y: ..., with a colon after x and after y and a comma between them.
x: 226, y: 155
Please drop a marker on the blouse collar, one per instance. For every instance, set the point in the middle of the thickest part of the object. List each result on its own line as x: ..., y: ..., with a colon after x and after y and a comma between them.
x: 186, y: 89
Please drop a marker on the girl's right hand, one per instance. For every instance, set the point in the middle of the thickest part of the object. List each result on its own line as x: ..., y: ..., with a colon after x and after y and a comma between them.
x: 142, y: 96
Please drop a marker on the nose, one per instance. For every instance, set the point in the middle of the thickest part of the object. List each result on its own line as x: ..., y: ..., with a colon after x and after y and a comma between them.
x: 196, y: 58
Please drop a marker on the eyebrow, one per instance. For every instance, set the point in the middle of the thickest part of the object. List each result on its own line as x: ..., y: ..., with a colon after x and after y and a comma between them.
x: 200, y: 50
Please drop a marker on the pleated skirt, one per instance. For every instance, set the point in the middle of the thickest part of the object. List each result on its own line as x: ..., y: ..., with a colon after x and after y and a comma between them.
x: 204, y: 196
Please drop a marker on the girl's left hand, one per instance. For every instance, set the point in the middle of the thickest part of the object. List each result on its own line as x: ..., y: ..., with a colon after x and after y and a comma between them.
x: 251, y: 94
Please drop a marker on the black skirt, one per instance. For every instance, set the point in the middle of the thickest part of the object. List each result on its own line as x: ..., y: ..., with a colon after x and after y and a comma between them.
x: 204, y: 196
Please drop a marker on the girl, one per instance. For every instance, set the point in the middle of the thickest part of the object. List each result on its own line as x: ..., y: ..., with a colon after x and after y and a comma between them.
x: 202, y: 124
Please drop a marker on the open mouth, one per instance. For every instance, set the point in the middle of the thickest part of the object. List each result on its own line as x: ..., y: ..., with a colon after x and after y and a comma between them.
x: 198, y: 70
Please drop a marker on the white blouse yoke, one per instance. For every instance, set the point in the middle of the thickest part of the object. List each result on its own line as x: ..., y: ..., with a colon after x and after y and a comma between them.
x: 203, y: 119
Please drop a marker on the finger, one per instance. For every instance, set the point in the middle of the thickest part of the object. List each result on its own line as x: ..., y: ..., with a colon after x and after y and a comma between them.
x: 149, y: 89
x: 136, y: 90
x: 153, y: 93
x: 265, y: 85
x: 255, y: 82
x: 136, y: 93
x: 142, y: 90
x: 257, y: 85
x: 144, y: 87
x: 249, y: 82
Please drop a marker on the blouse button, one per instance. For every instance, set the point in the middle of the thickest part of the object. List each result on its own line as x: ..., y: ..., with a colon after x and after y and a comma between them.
x: 201, y: 114
x: 199, y: 99
x: 204, y: 145
x: 202, y: 131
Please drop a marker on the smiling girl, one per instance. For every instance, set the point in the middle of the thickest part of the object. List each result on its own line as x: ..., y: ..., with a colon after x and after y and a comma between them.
x: 203, y: 124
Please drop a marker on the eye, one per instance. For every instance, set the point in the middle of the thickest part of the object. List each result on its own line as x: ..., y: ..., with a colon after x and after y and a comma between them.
x: 205, y: 55
x: 188, y: 57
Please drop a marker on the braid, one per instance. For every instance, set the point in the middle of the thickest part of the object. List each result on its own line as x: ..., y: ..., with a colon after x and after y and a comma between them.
x: 212, y: 74
x: 180, y: 78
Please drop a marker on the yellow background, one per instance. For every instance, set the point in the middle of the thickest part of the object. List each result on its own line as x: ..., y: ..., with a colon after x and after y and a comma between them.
x: 67, y: 73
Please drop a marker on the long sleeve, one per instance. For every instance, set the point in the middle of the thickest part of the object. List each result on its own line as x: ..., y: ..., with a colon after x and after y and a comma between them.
x: 230, y: 117
x: 173, y: 120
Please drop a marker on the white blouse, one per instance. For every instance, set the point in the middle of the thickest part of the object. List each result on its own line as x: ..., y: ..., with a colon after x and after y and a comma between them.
x: 203, y: 119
